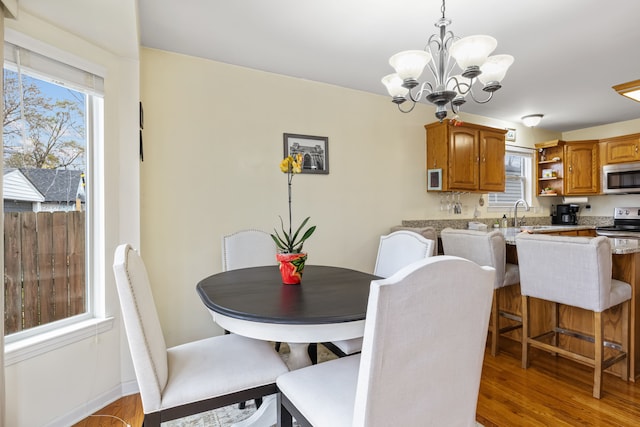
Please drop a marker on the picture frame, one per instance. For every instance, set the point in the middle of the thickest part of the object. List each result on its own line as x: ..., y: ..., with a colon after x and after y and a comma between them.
x: 511, y: 135
x: 314, y: 150
x: 434, y: 179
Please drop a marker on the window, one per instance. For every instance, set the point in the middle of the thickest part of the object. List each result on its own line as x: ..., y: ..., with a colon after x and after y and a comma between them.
x: 52, y: 114
x: 518, y: 164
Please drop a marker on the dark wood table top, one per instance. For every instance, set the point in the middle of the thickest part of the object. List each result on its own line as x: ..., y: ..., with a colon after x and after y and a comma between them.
x: 326, y: 295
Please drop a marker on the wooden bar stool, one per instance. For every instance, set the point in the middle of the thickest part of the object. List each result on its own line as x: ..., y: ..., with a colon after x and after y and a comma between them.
x: 574, y: 271
x: 486, y: 249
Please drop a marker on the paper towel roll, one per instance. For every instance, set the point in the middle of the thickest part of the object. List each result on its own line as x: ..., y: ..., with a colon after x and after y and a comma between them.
x: 575, y: 200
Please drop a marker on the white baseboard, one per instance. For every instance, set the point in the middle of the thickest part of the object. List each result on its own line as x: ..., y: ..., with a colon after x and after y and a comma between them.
x: 80, y: 413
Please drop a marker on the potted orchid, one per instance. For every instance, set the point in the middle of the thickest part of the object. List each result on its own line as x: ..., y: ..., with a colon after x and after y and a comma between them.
x: 291, y: 259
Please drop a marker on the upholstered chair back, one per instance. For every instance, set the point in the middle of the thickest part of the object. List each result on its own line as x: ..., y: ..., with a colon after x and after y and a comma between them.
x: 248, y: 248
x: 428, y: 233
x: 399, y: 249
x: 424, y: 344
x: 481, y: 247
x: 146, y: 341
x: 569, y: 270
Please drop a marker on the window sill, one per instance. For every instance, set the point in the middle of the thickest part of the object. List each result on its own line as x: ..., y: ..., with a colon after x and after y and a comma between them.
x: 43, y: 343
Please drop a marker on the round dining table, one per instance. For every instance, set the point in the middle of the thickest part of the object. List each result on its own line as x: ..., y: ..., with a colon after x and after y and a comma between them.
x: 329, y: 305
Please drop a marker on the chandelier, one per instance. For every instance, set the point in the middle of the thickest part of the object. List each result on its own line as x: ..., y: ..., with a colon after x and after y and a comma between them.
x: 453, y: 80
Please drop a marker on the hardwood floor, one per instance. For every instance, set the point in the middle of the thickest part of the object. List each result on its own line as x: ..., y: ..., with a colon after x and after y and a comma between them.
x: 552, y: 392
x: 128, y: 409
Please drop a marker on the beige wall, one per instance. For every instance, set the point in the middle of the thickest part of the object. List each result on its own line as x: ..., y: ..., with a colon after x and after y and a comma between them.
x: 605, y: 131
x: 213, y: 142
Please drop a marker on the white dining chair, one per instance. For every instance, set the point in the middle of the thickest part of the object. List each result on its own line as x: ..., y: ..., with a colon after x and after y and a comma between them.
x: 247, y: 248
x: 428, y: 233
x: 193, y: 377
x: 430, y: 376
x: 395, y: 251
x: 577, y: 272
x: 487, y: 248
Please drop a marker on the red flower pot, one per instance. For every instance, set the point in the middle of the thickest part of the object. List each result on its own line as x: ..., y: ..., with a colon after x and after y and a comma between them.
x: 291, y: 267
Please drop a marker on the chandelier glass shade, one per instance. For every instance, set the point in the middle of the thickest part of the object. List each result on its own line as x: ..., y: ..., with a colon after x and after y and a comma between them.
x: 458, y: 66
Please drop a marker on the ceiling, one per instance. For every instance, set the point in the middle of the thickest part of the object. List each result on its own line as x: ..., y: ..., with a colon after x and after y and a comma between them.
x: 567, y: 53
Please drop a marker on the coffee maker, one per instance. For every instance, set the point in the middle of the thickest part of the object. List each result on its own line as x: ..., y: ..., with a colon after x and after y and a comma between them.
x: 564, y: 214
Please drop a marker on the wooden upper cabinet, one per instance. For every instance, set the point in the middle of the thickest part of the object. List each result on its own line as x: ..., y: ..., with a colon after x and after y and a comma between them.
x: 492, y: 151
x: 621, y: 149
x: 471, y: 156
x: 463, y: 156
x: 581, y: 168
x: 550, y: 160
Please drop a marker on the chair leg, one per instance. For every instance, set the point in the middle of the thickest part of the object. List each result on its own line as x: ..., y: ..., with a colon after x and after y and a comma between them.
x: 525, y: 331
x: 625, y: 340
x: 285, y: 419
x: 555, y: 316
x: 599, y: 349
x: 312, y: 351
x: 495, y: 323
x: 151, y: 420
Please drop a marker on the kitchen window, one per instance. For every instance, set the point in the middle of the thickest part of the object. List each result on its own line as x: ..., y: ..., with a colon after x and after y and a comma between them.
x: 518, y: 178
x: 52, y: 129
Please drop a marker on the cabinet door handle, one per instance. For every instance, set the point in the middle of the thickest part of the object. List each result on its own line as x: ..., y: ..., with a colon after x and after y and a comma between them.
x: 570, y: 168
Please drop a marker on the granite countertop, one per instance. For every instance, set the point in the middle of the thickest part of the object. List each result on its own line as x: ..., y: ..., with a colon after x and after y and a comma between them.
x: 537, y: 225
x: 510, y: 232
x: 618, y: 246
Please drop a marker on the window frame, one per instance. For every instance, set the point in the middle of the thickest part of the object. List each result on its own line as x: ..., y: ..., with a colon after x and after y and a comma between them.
x: 526, y: 177
x: 44, y: 338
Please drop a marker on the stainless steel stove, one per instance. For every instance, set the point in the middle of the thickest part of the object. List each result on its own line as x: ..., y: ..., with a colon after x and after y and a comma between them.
x: 626, y: 223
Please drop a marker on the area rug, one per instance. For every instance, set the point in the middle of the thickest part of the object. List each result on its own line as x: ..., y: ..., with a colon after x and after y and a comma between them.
x: 222, y: 417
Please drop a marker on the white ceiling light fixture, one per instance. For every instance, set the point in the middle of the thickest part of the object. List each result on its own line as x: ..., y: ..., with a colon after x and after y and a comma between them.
x: 629, y: 89
x: 451, y: 84
x: 532, y: 120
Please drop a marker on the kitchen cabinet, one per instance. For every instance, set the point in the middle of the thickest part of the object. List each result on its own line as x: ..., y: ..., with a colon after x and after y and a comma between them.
x: 621, y: 149
x: 567, y: 168
x: 471, y: 157
x: 550, y: 168
x: 582, y: 168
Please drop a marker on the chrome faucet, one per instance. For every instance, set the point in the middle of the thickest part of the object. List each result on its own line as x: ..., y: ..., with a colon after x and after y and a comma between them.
x: 515, y: 210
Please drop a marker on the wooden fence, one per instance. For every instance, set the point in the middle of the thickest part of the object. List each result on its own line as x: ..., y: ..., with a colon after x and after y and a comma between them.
x: 44, y: 268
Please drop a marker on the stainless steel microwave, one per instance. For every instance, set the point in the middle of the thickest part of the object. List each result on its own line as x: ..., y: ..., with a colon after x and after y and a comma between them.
x: 622, y: 178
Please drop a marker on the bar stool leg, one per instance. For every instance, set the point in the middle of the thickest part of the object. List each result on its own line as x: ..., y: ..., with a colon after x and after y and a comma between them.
x: 625, y: 339
x: 525, y: 331
x: 555, y: 319
x: 597, y: 375
x: 495, y: 323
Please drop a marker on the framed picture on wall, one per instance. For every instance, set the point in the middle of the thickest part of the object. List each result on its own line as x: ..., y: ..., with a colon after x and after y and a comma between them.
x: 511, y: 135
x: 314, y: 150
